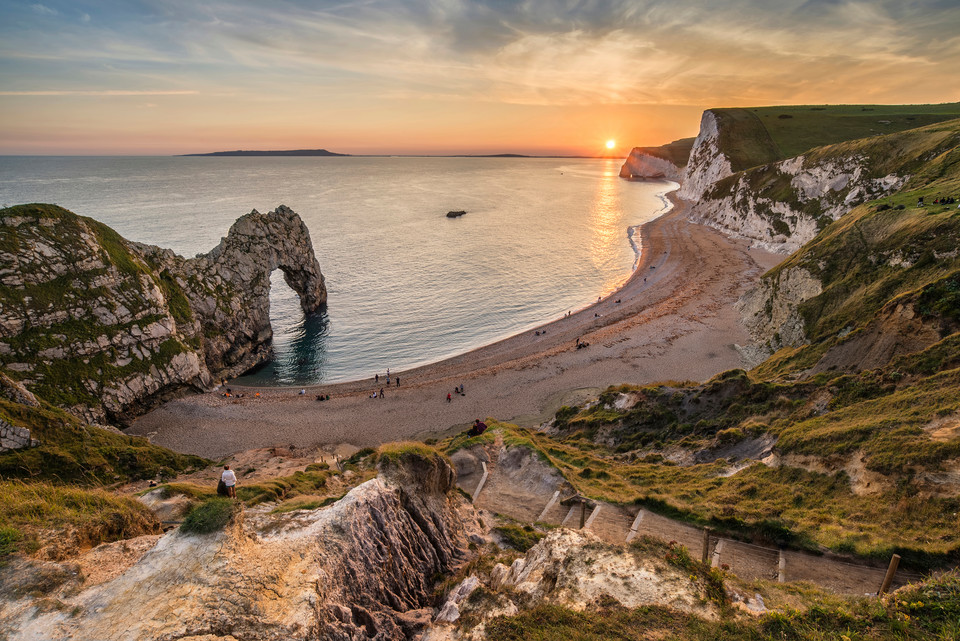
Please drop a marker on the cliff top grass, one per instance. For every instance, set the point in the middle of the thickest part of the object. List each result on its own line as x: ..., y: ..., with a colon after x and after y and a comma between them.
x: 75, y: 453
x: 38, y: 514
x: 677, y: 152
x: 759, y: 135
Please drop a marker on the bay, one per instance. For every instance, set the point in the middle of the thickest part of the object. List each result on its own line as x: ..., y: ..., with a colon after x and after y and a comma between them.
x: 407, y: 286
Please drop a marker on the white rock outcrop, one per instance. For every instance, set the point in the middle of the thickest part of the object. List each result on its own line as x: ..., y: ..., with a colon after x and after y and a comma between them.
x: 707, y: 163
x: 640, y: 164
x: 769, y: 311
x: 816, y: 193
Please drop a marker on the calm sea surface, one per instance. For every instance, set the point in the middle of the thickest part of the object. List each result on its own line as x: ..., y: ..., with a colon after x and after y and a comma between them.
x: 407, y: 286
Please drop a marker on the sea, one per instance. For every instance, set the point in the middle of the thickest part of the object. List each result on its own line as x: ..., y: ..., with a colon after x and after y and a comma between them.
x: 406, y: 285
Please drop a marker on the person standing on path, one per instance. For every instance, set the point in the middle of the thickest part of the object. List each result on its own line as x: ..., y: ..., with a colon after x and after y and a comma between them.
x: 230, y: 480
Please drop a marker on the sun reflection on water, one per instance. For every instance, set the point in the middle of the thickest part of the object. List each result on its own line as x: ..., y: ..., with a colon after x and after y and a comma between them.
x: 606, y: 223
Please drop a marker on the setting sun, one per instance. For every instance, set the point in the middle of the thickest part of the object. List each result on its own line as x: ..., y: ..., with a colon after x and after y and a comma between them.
x: 611, y: 144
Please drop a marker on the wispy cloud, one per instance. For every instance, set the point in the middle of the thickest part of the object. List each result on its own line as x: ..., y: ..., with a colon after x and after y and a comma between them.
x: 44, y: 10
x: 97, y: 92
x: 394, y: 58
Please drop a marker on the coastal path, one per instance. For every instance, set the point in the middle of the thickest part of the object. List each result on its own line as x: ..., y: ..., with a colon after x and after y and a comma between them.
x: 517, y: 485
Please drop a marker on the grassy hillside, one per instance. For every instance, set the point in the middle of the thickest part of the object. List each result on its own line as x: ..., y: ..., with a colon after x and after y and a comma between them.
x: 74, y: 453
x: 864, y: 454
x: 63, y: 519
x: 677, y: 152
x: 886, y: 253
x: 760, y: 135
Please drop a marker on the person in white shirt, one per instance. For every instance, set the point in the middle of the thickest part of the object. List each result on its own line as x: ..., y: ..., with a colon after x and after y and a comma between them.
x: 230, y: 480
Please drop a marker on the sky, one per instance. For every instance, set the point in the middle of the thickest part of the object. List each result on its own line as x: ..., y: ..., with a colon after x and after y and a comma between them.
x: 445, y: 76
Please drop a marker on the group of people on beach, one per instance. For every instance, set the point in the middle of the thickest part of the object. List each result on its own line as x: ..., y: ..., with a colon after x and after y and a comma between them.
x: 456, y: 390
x: 376, y: 378
x: 229, y: 394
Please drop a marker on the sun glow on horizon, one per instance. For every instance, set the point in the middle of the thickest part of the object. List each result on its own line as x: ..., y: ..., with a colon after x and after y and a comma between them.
x: 611, y: 144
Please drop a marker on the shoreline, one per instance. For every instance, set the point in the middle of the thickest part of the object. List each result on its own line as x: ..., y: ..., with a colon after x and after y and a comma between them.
x: 634, y: 239
x: 674, y: 321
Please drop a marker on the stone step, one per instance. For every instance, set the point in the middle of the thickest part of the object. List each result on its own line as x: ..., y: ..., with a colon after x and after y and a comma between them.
x: 668, y: 530
x: 502, y: 496
x: 611, y: 523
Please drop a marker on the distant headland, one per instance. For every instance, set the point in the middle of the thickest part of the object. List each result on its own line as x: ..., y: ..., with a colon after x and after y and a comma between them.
x: 324, y: 152
x: 281, y: 152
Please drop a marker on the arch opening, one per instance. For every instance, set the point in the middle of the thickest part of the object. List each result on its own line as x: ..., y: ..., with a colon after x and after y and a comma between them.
x: 299, y: 339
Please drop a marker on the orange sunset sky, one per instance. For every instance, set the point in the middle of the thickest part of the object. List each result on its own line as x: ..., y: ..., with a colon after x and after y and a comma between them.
x: 444, y: 76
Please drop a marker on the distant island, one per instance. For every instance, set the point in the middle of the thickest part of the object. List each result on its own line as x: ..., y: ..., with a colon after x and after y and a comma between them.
x: 283, y: 152
x: 324, y: 152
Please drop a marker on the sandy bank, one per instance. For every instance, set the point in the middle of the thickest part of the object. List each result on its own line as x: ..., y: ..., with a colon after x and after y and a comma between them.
x: 675, y: 321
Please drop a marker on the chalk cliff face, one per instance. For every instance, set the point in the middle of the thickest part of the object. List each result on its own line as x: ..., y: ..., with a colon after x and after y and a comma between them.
x: 107, y: 328
x: 769, y: 311
x: 642, y: 165
x: 780, y: 206
x: 360, y: 569
x: 665, y: 162
x: 228, y: 289
x: 708, y: 162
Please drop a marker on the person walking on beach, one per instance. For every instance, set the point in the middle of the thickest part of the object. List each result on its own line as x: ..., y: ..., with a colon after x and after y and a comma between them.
x: 376, y: 378
x: 449, y: 397
x: 230, y: 480
x: 381, y: 392
x: 398, y: 381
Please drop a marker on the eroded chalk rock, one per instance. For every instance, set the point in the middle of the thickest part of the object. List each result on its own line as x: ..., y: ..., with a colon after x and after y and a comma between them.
x: 107, y: 328
x: 362, y: 568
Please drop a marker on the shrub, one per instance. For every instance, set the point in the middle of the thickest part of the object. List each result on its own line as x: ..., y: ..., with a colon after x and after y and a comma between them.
x: 210, y: 516
x: 519, y: 538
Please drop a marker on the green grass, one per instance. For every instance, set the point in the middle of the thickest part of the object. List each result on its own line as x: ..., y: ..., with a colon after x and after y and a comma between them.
x: 9, y: 538
x: 72, y: 452
x: 396, y: 451
x: 520, y: 538
x: 782, y: 505
x: 283, y: 488
x: 40, y: 513
x: 212, y: 515
x: 926, y: 612
x: 756, y: 136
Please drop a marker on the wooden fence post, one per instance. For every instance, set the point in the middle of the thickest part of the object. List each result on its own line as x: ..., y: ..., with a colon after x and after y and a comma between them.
x: 706, y: 545
x: 891, y: 571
